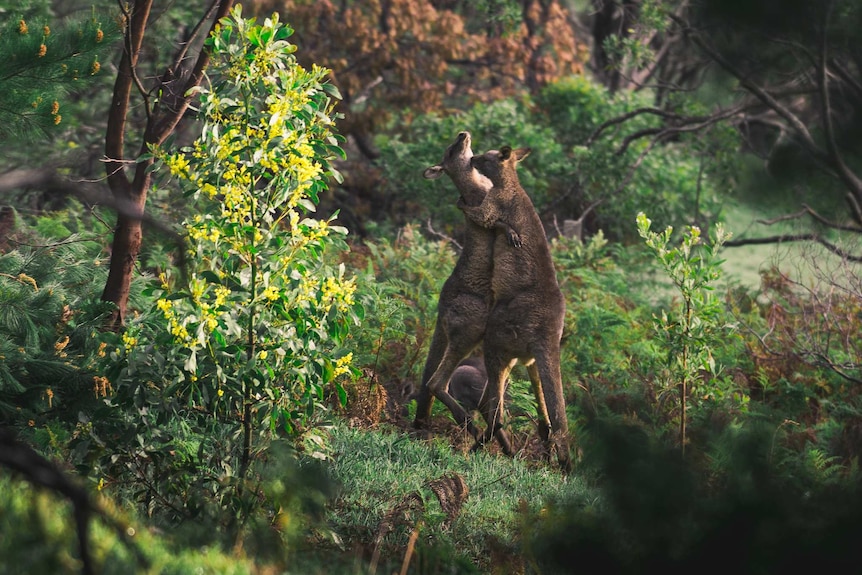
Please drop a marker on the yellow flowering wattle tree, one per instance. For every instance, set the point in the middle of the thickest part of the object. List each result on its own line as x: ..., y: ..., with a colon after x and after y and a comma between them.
x: 248, y: 339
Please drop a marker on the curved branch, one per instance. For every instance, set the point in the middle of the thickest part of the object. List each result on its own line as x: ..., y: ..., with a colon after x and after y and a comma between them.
x: 767, y: 99
x: 783, y: 238
x: 850, y: 179
x: 161, y: 127
x: 39, y: 471
x: 629, y: 115
x: 699, y: 122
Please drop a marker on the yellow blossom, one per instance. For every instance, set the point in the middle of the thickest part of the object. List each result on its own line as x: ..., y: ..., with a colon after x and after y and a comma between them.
x: 263, y: 355
x: 342, y: 364
x: 221, y: 293
x: 129, y: 341
x: 271, y: 293
x: 220, y: 392
x: 178, y: 164
x: 179, y: 331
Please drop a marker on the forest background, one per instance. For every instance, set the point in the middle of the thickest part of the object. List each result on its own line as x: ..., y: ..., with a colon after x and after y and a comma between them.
x: 219, y: 267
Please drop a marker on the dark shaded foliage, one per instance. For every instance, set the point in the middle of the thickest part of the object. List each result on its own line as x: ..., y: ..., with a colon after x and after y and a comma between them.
x: 663, y: 514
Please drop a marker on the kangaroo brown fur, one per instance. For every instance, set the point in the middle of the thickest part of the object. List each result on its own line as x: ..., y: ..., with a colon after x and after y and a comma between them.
x: 465, y: 298
x: 526, y: 318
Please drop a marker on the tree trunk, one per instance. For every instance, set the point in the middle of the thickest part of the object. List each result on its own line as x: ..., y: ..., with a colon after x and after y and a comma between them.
x: 130, y: 195
x: 125, y: 248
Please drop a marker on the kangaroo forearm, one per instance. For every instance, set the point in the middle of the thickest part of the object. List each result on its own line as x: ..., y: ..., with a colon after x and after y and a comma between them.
x: 483, y: 215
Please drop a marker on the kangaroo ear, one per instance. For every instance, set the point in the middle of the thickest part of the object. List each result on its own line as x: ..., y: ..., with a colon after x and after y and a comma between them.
x: 505, y: 152
x: 521, y: 153
x: 433, y: 172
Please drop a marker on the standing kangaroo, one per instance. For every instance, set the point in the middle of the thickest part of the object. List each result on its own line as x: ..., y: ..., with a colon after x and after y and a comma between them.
x: 526, y: 319
x: 465, y: 299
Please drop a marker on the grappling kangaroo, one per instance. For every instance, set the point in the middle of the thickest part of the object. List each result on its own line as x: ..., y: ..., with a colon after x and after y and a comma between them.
x: 465, y: 299
x: 526, y: 318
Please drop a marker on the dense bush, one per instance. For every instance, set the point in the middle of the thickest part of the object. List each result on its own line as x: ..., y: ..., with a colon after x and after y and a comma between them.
x: 659, y: 513
x: 566, y: 171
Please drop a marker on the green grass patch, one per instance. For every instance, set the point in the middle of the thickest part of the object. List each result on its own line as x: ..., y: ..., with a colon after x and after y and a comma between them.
x: 379, y: 469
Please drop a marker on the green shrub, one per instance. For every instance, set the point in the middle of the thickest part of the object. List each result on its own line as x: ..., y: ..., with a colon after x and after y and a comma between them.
x: 689, y: 332
x: 398, y: 290
x: 245, y: 346
x: 674, y: 178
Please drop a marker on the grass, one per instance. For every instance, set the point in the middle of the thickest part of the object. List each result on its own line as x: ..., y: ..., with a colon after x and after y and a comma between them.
x: 805, y: 262
x: 379, y: 469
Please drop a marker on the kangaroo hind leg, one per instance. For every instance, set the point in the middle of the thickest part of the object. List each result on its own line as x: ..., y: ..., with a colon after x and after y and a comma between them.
x: 543, y: 422
x: 492, y: 404
x: 438, y: 385
x: 548, y: 365
x: 424, y: 397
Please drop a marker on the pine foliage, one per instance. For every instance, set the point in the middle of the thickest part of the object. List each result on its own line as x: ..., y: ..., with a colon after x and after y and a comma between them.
x: 48, y: 299
x: 40, y: 63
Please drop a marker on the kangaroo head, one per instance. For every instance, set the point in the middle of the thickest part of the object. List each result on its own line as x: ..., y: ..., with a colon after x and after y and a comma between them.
x: 456, y: 163
x: 499, y: 165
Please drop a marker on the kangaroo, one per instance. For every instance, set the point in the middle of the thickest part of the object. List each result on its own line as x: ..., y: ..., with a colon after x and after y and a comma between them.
x: 526, y: 318
x: 466, y: 386
x: 468, y: 382
x: 465, y: 299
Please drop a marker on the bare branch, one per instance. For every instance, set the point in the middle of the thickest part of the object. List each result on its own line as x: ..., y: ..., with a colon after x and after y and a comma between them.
x: 688, y: 126
x: 797, y: 124
x: 161, y: 127
x: 786, y: 238
x: 442, y: 236
x: 89, y: 194
x: 784, y: 218
x: 830, y: 224
x: 628, y: 116
x: 846, y: 76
